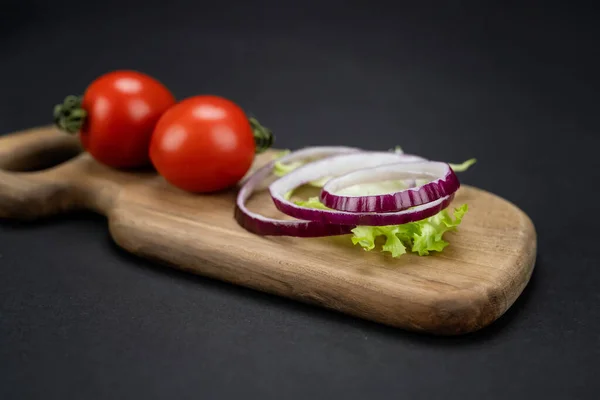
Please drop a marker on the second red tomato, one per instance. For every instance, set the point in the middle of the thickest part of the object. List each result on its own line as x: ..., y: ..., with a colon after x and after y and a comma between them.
x: 203, y: 144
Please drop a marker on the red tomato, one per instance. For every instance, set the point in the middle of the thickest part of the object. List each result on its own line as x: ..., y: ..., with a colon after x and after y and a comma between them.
x: 122, y: 110
x: 203, y: 144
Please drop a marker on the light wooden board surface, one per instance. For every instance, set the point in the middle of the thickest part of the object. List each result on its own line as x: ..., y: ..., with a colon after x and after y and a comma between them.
x: 473, y: 282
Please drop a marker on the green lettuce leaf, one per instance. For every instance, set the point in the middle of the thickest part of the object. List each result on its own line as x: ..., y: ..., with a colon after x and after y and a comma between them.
x: 280, y: 169
x: 365, y: 236
x: 312, y: 202
x: 421, y: 237
x: 463, y: 166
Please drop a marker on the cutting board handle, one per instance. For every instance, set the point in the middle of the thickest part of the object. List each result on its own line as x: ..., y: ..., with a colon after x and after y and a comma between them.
x: 29, y: 186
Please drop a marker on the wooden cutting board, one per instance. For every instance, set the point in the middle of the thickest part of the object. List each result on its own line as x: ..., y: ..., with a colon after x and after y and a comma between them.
x: 473, y: 282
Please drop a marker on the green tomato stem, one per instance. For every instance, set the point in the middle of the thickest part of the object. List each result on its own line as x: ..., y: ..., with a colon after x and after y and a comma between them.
x: 263, y: 137
x: 69, y: 116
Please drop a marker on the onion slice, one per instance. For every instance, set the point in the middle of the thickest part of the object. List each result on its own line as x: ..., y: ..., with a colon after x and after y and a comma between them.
x: 343, y: 167
x: 261, y: 225
x: 344, y: 164
x: 443, y: 182
x: 367, y: 219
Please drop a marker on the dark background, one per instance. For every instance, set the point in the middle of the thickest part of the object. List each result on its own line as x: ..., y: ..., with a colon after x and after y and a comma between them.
x: 514, y: 86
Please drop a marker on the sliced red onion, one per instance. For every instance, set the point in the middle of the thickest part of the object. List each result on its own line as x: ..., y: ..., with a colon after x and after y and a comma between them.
x: 343, y: 164
x: 262, y: 225
x: 443, y: 182
x: 367, y: 219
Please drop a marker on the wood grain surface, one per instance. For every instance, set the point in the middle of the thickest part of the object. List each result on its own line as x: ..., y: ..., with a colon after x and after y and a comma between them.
x: 473, y: 282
